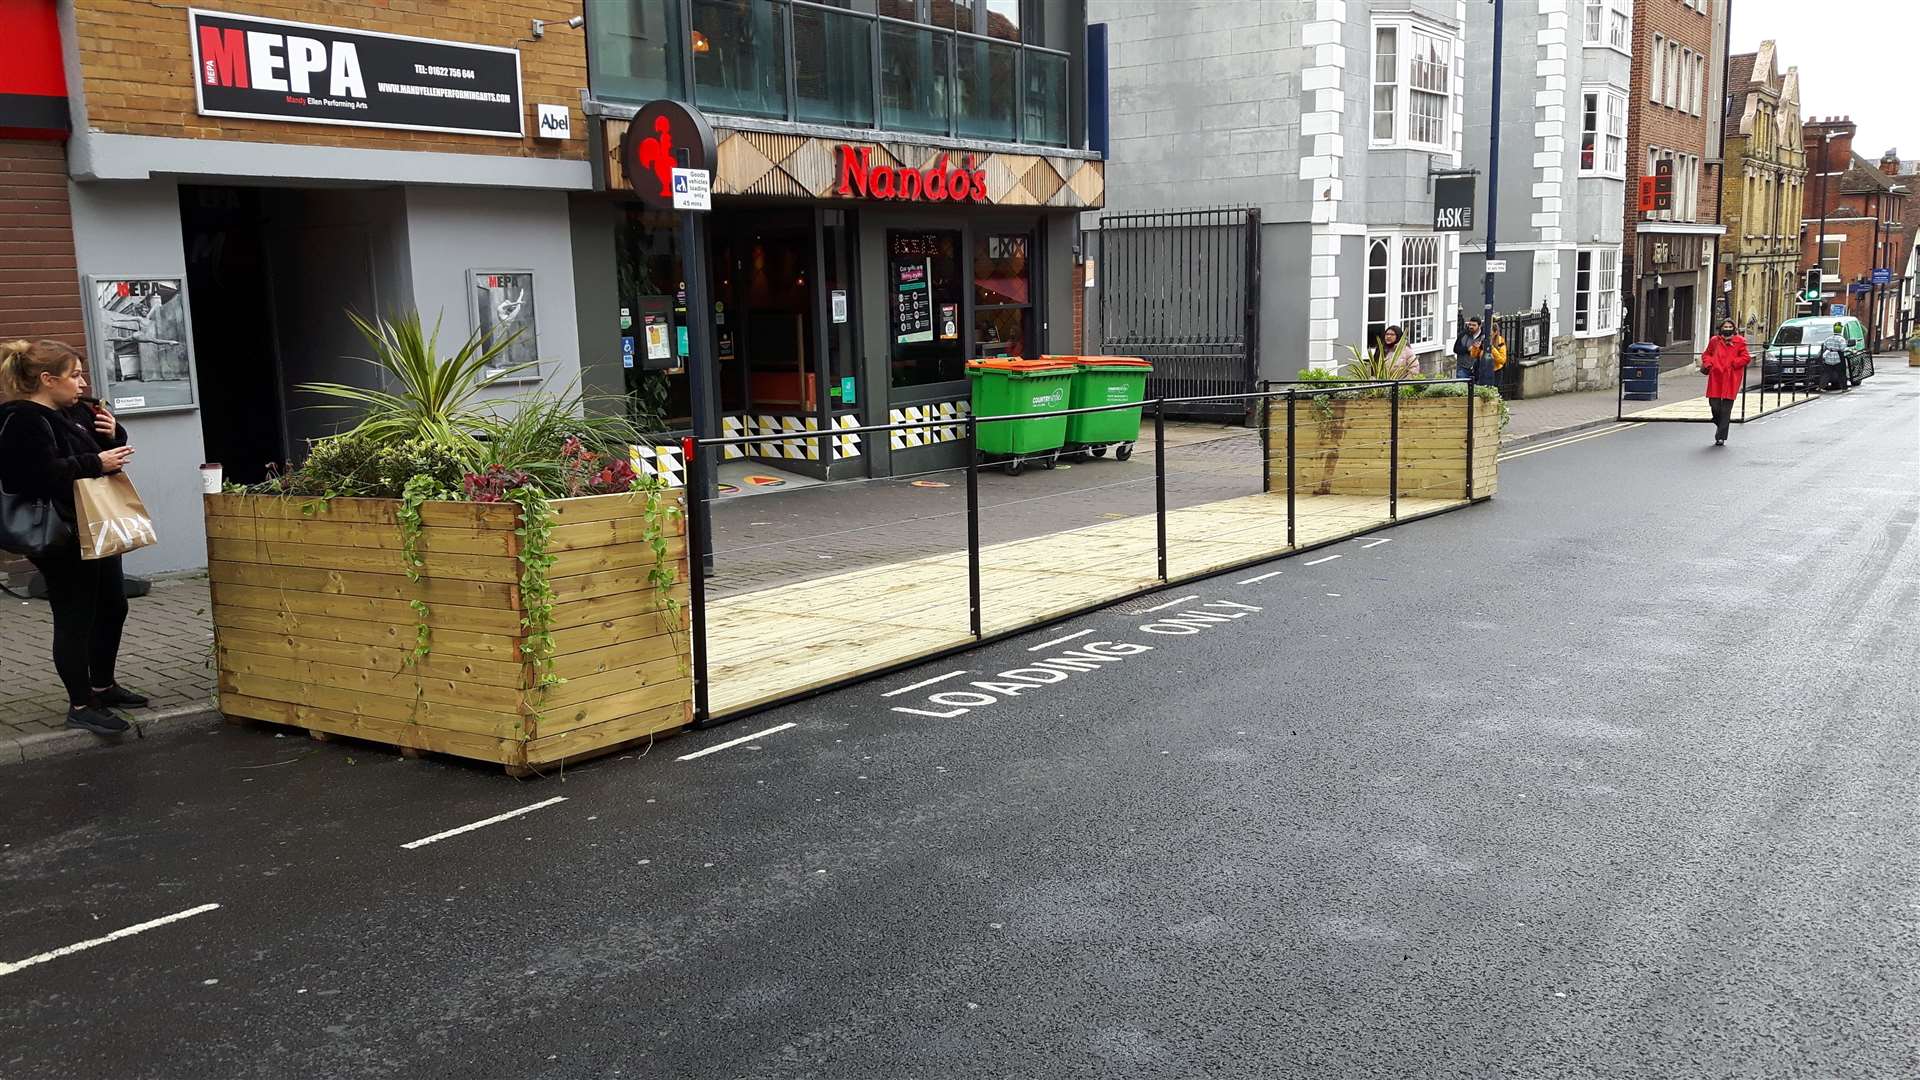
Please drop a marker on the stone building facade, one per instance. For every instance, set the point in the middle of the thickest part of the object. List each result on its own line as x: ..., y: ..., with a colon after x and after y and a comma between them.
x: 1764, y: 191
x: 1673, y: 119
x: 1330, y: 117
x: 1565, y: 173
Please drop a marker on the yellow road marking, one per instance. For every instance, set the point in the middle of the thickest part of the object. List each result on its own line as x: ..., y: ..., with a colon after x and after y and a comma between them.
x: 1583, y: 437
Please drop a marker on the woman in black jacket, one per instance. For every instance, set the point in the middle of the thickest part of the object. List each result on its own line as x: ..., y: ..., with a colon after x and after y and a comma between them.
x: 51, y: 434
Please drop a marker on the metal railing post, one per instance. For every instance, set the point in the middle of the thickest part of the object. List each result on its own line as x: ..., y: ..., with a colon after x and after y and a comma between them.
x: 1290, y: 400
x: 973, y: 525
x: 1470, y: 397
x: 696, y: 577
x: 1266, y: 440
x: 1160, y: 480
x: 1393, y: 456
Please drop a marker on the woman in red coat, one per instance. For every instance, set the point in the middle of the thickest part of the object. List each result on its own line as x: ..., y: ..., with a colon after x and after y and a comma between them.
x: 1725, y: 363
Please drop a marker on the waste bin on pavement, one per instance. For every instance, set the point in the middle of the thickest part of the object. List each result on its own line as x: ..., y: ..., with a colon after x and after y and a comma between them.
x: 1106, y: 380
x: 1640, y: 372
x: 1013, y: 387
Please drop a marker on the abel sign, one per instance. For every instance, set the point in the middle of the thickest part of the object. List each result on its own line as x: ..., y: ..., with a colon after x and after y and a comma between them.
x: 267, y: 69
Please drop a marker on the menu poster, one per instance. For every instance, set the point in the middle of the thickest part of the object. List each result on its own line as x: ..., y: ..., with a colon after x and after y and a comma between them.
x: 912, y: 300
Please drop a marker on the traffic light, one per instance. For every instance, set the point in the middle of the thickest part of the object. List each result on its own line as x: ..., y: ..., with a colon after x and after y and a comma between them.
x: 1811, y: 294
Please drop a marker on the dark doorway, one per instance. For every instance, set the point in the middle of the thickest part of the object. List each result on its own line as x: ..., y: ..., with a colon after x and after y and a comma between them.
x: 241, y: 412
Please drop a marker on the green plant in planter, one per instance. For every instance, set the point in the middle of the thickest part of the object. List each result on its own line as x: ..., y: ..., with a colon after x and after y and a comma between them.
x: 438, y: 397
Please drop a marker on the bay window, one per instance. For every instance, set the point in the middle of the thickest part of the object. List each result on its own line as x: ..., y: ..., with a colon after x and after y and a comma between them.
x: 1596, y: 291
x: 1603, y: 132
x: 1403, y: 287
x: 1412, y: 86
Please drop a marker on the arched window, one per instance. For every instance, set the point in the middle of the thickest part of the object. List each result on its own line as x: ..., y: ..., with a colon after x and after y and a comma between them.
x: 1377, y: 278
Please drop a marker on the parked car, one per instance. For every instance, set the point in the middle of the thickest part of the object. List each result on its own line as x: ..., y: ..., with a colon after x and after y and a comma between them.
x: 1792, y: 357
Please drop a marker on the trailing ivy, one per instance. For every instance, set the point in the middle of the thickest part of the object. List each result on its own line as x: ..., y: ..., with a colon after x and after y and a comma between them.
x: 419, y: 489
x: 536, y: 589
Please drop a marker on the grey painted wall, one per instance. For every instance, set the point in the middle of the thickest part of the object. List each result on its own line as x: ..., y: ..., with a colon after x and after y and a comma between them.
x: 1286, y: 255
x: 453, y: 230
x: 593, y: 222
x: 134, y: 229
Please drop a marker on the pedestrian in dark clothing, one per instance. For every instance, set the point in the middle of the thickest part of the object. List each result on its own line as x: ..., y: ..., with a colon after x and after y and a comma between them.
x: 1725, y: 363
x: 1468, y: 349
x: 52, y: 434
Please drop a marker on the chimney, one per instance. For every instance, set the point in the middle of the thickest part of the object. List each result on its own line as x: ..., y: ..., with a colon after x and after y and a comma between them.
x: 1890, y: 162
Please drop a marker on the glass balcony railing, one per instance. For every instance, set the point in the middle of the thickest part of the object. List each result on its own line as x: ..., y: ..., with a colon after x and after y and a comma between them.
x: 821, y: 64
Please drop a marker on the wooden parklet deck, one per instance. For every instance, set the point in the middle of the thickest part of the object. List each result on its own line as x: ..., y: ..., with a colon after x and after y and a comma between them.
x: 767, y: 645
x: 1697, y: 409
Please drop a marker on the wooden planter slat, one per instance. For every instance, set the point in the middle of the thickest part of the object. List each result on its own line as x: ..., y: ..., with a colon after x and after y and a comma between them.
x: 446, y: 642
x: 498, y: 569
x: 315, y: 625
x: 445, y: 538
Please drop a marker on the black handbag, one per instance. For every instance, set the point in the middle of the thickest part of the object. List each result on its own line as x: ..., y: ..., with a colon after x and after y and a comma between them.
x: 31, y: 525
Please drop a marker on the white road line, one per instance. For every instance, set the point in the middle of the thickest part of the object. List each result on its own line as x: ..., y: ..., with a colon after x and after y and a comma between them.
x: 1262, y: 577
x: 1317, y: 562
x: 1058, y: 641
x: 925, y: 682
x: 69, y: 950
x: 1376, y: 543
x: 1170, y: 603
x: 735, y: 742
x: 494, y: 820
x: 1556, y: 444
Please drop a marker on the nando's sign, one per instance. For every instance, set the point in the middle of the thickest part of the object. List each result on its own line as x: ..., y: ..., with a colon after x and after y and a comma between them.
x: 940, y: 181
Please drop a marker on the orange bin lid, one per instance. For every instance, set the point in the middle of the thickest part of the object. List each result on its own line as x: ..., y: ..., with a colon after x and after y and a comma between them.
x: 1113, y: 362
x: 1039, y: 366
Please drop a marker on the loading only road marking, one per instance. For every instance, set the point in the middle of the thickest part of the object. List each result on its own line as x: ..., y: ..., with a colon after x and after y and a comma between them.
x: 1049, y: 644
x: 124, y: 932
x: 923, y: 682
x: 494, y: 820
x: 1086, y: 657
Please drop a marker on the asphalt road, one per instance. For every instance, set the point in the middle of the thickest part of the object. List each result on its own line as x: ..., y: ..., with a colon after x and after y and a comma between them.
x: 1612, y: 777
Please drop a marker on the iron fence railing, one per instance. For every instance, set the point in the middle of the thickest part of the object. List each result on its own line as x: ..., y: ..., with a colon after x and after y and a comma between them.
x: 1282, y: 409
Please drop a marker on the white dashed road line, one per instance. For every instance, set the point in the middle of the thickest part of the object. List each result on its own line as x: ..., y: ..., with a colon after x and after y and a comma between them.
x: 1262, y: 577
x: 1058, y: 641
x: 1171, y: 603
x: 494, y: 820
x: 736, y: 742
x: 925, y: 682
x: 1317, y: 562
x: 69, y: 950
x: 1376, y: 543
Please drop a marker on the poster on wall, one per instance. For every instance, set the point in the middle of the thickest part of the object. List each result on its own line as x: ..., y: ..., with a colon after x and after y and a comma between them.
x: 912, y: 300
x: 503, y: 308
x: 139, y: 341
x: 269, y: 69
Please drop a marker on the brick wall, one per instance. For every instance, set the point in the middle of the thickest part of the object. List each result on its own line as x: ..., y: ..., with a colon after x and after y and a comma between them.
x: 1652, y: 124
x: 39, y: 280
x: 136, y: 61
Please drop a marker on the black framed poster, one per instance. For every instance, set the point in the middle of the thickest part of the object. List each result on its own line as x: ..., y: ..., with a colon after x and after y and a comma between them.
x: 503, y: 306
x: 269, y: 69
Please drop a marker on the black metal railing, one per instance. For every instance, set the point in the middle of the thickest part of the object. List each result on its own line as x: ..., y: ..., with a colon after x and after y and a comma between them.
x: 1283, y: 410
x: 1765, y: 396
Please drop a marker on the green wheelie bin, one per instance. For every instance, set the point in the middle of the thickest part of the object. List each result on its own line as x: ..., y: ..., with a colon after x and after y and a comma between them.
x: 1007, y: 386
x: 1106, y: 380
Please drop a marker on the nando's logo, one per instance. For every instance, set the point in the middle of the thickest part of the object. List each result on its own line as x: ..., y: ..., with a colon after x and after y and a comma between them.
x: 935, y: 183
x: 285, y: 63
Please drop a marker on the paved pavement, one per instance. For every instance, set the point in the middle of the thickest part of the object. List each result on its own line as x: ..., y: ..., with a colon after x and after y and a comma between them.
x: 1533, y: 418
x: 165, y: 652
x: 1610, y: 777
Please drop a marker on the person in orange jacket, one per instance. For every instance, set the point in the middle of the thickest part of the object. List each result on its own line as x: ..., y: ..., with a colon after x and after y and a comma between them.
x: 1725, y: 363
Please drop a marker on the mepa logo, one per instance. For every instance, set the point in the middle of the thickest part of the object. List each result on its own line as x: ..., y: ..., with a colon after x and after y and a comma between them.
x: 283, y: 63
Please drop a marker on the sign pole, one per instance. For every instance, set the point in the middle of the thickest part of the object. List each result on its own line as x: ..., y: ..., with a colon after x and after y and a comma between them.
x: 1493, y: 169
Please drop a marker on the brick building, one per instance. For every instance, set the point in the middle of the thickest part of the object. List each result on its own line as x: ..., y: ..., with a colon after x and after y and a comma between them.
x: 240, y: 178
x: 1762, y: 193
x: 39, y: 290
x: 1674, y: 120
x: 1853, y: 224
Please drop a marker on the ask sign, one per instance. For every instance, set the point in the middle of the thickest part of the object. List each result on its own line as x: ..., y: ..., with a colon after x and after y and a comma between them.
x: 1453, y: 204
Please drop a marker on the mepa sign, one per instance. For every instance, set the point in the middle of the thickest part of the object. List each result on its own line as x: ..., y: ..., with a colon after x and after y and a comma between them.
x: 1453, y: 204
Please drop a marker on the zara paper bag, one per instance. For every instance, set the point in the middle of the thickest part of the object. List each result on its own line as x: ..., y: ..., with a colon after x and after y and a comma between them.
x: 110, y: 517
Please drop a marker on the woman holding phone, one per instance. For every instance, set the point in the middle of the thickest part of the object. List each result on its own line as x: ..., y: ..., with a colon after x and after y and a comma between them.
x: 51, y: 434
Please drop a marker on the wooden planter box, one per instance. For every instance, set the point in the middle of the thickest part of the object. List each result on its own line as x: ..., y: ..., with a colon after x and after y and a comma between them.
x: 313, y: 626
x: 1349, y: 451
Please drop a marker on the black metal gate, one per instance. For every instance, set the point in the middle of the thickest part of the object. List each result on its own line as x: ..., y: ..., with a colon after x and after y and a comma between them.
x: 1182, y: 289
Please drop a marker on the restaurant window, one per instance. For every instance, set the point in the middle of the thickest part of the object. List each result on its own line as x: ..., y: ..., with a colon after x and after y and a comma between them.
x: 740, y: 56
x: 631, y: 48
x: 1003, y: 294
x: 653, y: 308
x: 924, y: 294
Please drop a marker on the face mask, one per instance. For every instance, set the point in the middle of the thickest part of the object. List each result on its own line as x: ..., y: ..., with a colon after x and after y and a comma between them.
x: 1726, y: 332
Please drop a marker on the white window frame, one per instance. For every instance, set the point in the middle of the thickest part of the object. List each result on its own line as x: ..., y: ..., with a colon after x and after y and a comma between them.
x: 1620, y: 31
x: 1399, y: 312
x: 1657, y: 86
x: 1602, y: 294
x: 1684, y: 99
x: 1407, y: 34
x: 1609, y: 132
x: 1595, y: 21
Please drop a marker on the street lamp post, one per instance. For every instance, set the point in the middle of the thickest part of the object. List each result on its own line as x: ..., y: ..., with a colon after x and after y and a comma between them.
x: 1493, y: 172
x: 1820, y: 237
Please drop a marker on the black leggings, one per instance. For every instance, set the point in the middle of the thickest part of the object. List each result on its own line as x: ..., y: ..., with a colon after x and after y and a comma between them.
x: 89, y: 599
x: 1722, y: 416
